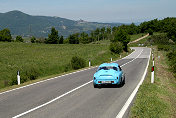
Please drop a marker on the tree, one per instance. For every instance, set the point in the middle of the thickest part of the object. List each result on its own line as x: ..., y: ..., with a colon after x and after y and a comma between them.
x: 19, y: 39
x: 53, y: 38
x: 84, y: 38
x: 5, y: 35
x: 172, y: 34
x: 33, y: 39
x: 122, y: 37
x: 97, y: 34
x: 150, y: 31
x: 61, y: 40
x: 92, y: 36
x: 116, y: 47
x: 74, y: 38
x: 103, y: 32
x: 114, y: 29
x: 108, y: 32
x: 172, y: 31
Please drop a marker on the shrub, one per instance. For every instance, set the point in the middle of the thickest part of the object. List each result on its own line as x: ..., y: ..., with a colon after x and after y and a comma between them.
x: 116, y: 47
x: 30, y: 73
x: 159, y: 39
x: 5, y: 35
x: 172, y: 60
x: 68, y: 67
x: 13, y: 81
x: 77, y: 62
x: 33, y: 39
x: 163, y: 47
x: 19, y: 39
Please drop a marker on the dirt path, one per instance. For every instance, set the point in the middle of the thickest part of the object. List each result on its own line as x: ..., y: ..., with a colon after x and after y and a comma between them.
x: 139, y: 39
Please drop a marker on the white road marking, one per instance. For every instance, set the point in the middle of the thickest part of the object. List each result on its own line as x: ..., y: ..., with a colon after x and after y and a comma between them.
x: 46, y: 80
x: 57, y: 98
x: 54, y: 78
x: 128, y: 102
x: 52, y: 100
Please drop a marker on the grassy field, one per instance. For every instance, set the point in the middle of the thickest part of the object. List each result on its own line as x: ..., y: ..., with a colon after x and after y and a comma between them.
x: 142, y: 41
x: 136, y: 36
x: 46, y: 59
x: 156, y: 100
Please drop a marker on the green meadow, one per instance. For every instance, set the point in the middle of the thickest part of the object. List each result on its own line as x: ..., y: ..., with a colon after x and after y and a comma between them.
x: 46, y: 59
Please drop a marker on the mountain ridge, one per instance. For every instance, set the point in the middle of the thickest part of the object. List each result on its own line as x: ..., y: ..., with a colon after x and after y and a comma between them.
x: 24, y: 24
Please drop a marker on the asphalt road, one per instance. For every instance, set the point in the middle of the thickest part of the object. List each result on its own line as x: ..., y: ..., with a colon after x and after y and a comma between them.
x: 82, y: 102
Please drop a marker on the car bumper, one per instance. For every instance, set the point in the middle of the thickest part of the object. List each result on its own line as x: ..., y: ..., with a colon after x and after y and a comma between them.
x: 109, y: 81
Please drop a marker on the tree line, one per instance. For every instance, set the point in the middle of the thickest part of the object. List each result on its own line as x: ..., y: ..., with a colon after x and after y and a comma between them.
x: 117, y: 35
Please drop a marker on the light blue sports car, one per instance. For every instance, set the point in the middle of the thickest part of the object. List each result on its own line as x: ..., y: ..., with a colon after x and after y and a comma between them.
x: 108, y: 73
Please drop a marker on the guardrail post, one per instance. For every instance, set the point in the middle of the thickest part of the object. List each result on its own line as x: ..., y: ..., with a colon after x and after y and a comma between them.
x: 89, y: 63
x: 152, y: 73
x: 18, y: 77
x: 120, y: 56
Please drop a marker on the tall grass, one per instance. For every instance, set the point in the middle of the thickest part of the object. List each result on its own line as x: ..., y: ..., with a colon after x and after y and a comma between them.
x: 45, y: 59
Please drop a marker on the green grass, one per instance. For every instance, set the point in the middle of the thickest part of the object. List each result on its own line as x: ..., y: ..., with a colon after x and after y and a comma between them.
x: 136, y: 36
x: 156, y: 100
x: 107, y: 42
x: 142, y: 41
x: 47, y: 60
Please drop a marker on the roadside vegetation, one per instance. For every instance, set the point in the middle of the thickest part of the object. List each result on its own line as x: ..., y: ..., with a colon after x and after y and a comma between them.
x: 134, y: 37
x: 41, y: 60
x: 56, y: 54
x: 158, y: 100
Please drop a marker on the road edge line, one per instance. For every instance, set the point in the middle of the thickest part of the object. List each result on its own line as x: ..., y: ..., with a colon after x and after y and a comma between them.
x: 38, y: 107
x: 55, y: 77
x: 130, y: 99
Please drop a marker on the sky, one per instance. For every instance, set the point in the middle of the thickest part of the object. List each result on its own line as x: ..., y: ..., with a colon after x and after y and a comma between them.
x: 124, y: 11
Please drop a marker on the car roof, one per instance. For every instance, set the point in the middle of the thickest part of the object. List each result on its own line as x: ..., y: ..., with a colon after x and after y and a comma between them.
x: 109, y: 64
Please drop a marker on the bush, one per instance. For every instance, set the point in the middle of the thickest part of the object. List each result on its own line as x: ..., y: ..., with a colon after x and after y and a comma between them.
x: 5, y: 35
x: 159, y: 39
x: 13, y: 81
x: 68, y: 67
x: 163, y: 47
x: 33, y: 39
x: 30, y: 73
x: 19, y: 39
x: 77, y: 63
x: 116, y: 47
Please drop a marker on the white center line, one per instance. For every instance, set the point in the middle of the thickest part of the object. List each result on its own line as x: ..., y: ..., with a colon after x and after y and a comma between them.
x: 57, y: 98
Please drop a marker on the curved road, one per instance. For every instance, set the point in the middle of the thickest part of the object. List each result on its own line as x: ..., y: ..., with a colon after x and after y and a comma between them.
x: 73, y: 95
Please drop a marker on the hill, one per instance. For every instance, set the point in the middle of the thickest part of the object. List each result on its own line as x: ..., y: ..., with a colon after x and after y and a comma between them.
x: 23, y: 24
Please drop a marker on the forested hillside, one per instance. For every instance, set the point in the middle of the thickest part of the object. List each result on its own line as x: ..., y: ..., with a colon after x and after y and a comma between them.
x: 23, y: 24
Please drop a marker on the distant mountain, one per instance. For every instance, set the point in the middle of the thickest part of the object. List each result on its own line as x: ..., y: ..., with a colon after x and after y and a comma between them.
x: 23, y: 24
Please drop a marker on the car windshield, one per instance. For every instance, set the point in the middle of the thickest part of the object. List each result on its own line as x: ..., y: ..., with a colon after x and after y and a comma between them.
x: 107, y: 68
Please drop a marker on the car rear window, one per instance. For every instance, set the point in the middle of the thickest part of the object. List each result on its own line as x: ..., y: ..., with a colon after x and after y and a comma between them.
x: 108, y: 68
